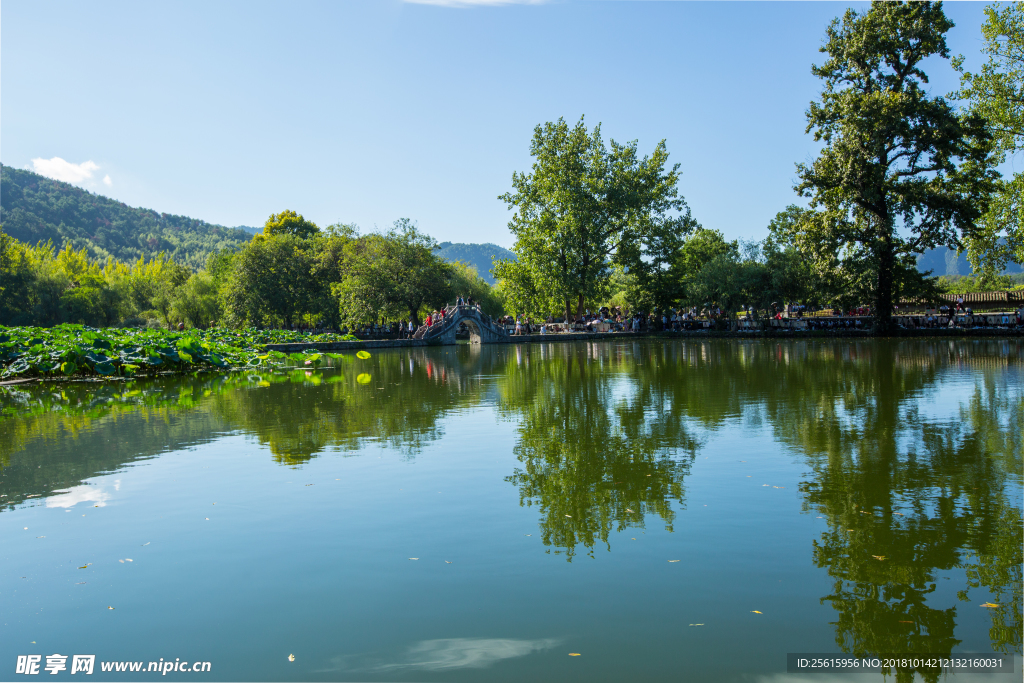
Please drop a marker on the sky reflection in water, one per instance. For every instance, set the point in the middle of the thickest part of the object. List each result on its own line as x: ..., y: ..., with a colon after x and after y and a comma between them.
x: 594, y: 498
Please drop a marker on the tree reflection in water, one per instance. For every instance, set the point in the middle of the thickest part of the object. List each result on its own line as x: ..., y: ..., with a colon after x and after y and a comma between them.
x: 607, y: 432
x: 596, y: 453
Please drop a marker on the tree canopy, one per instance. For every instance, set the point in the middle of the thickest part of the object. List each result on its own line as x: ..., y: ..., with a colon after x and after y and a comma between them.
x: 901, y: 171
x: 290, y: 223
x: 997, y: 95
x: 582, y: 207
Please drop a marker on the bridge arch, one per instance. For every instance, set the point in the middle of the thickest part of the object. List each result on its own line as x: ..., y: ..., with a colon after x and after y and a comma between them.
x: 482, y: 330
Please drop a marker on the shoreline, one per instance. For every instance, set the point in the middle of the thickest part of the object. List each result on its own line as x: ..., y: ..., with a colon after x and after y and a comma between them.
x: 771, y: 333
x: 776, y: 334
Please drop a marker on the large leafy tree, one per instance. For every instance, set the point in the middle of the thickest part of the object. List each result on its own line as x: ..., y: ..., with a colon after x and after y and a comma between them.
x: 997, y: 94
x: 583, y: 206
x: 900, y: 171
x: 272, y: 281
x: 392, y: 275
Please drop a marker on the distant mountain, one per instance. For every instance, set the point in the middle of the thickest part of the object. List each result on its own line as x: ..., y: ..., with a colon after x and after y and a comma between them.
x: 35, y: 208
x: 944, y: 261
x: 249, y: 229
x: 477, y: 255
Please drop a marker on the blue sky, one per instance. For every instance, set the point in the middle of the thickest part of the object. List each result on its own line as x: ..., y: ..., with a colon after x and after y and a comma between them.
x: 366, y: 112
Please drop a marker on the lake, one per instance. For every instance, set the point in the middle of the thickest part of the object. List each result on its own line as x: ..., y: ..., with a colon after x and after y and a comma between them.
x: 648, y: 510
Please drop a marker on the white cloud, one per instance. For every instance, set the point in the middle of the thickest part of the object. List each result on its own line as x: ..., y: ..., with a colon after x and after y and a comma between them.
x: 475, y: 653
x: 58, y: 169
x: 475, y: 3
x: 107, y: 181
x: 79, y: 494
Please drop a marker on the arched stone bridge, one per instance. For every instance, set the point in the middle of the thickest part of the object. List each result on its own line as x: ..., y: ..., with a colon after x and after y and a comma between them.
x: 482, y: 330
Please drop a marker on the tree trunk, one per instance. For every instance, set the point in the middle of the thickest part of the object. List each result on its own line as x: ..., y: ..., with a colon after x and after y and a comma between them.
x: 579, y: 306
x: 568, y: 311
x: 884, y: 291
x: 414, y: 315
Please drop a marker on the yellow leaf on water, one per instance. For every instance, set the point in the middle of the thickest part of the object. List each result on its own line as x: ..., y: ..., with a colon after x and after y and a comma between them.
x: 291, y: 658
x: 363, y: 378
x: 362, y: 355
x: 673, y: 560
x: 754, y: 611
x: 989, y: 604
x: 878, y: 557
x: 570, y: 516
x: 574, y: 654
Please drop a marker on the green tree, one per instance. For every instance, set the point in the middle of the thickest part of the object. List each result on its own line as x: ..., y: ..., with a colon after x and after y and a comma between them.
x: 466, y: 282
x: 290, y: 223
x: 658, y: 264
x: 272, y: 281
x: 197, y: 301
x: 997, y: 94
x: 901, y: 171
x: 582, y: 206
x: 392, y: 275
x: 16, y: 282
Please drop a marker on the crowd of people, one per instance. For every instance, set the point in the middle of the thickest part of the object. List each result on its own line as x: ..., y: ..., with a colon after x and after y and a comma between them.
x: 620, y: 319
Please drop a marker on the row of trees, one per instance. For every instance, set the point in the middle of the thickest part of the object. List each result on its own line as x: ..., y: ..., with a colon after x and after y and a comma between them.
x: 293, y: 273
x: 901, y: 171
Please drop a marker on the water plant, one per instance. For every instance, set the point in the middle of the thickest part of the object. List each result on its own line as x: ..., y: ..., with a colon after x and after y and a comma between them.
x: 79, y: 351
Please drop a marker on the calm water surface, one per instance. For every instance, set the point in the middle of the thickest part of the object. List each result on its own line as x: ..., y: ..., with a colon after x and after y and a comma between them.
x: 669, y: 510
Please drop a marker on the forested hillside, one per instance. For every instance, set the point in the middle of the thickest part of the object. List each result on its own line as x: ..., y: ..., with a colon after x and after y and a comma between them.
x: 34, y: 208
x: 477, y: 255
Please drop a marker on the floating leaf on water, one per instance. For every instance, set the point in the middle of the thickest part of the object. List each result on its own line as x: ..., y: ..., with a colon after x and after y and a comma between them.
x: 754, y: 611
x: 673, y: 560
x: 110, y: 608
x: 574, y: 654
x: 85, y: 566
x: 363, y: 378
x: 414, y: 558
x: 902, y: 621
x: 291, y: 658
x: 628, y: 510
x: 362, y: 355
x: 121, y: 561
x: 989, y: 604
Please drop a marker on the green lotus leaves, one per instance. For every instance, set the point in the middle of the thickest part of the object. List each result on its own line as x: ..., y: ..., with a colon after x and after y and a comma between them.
x: 74, y: 350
